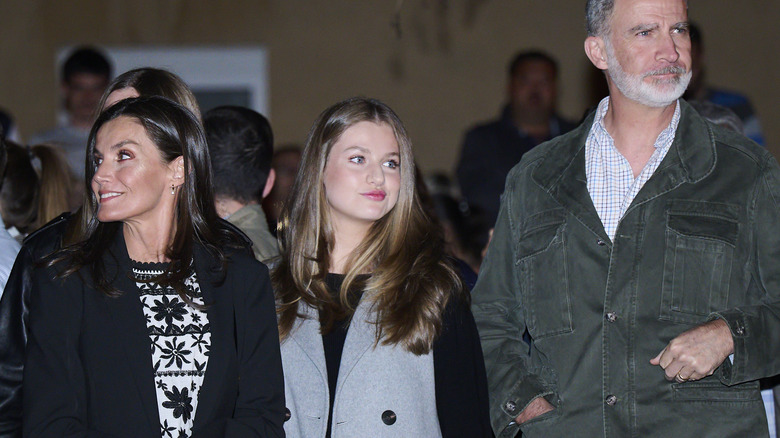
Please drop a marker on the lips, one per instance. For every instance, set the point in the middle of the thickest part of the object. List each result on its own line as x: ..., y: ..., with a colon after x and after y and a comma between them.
x: 107, y: 196
x: 375, y: 195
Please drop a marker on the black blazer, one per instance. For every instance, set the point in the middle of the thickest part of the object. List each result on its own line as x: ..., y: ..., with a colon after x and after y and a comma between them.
x: 88, y: 369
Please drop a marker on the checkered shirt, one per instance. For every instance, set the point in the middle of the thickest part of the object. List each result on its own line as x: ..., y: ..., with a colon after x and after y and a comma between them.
x: 611, y: 181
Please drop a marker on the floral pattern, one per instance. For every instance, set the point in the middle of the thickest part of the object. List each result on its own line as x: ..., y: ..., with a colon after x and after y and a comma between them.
x: 180, y: 339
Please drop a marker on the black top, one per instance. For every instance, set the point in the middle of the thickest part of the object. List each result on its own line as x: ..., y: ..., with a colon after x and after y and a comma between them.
x: 460, y: 381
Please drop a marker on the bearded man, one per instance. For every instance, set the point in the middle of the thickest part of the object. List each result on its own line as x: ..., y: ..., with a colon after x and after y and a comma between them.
x: 641, y: 252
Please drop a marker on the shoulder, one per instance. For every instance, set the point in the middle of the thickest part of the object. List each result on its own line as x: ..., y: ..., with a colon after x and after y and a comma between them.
x: 48, y: 238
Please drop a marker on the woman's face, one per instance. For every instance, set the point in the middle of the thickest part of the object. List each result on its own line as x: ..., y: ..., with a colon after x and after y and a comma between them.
x: 120, y: 94
x: 362, y: 176
x: 132, y: 183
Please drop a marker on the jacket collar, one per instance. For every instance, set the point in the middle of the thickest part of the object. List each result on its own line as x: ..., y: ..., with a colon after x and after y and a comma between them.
x: 561, y: 171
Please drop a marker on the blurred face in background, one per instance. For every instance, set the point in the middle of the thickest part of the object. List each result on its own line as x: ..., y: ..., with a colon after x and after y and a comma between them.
x: 82, y: 93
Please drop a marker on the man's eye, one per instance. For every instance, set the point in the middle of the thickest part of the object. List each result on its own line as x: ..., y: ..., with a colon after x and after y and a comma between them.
x: 643, y: 33
x: 358, y: 159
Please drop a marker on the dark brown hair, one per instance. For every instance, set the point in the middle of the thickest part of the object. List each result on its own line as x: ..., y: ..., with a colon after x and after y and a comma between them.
x: 176, y: 132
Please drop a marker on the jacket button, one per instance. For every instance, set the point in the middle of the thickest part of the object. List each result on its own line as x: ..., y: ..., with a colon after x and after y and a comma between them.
x: 600, y: 242
x: 510, y: 406
x: 611, y: 316
x: 740, y: 330
x: 287, y: 414
x: 388, y: 417
x: 611, y: 400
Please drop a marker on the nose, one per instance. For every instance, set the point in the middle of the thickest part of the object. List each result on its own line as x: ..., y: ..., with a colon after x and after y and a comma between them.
x: 668, y: 49
x: 376, y: 175
x: 102, y: 173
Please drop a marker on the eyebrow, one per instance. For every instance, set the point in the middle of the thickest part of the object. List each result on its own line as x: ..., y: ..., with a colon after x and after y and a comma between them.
x: 643, y: 27
x: 117, y: 146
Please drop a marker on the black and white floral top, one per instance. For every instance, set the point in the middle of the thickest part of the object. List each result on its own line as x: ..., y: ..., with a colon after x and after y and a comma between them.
x: 180, y: 340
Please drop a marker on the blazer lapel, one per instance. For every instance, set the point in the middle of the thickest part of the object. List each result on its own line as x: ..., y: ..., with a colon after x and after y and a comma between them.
x: 223, y: 347
x: 360, y: 337
x: 307, y: 335
x: 130, y: 329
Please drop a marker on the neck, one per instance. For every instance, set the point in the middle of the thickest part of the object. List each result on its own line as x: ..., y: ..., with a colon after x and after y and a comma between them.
x: 344, y: 245
x: 227, y: 206
x: 635, y: 128
x: 146, y: 242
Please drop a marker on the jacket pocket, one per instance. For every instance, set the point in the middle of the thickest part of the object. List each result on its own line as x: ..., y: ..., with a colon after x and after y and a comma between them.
x: 711, y: 390
x: 544, y: 279
x: 700, y: 240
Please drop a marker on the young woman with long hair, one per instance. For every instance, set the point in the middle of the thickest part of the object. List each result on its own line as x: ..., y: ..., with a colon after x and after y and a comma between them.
x: 377, y: 335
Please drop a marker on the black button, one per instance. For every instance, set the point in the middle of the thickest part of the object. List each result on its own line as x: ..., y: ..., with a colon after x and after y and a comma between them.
x: 600, y: 242
x: 611, y: 316
x: 611, y: 400
x: 388, y: 417
x: 287, y: 414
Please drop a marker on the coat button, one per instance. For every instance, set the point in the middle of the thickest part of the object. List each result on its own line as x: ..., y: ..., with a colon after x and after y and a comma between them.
x: 739, y: 330
x: 287, y: 414
x: 611, y: 316
x: 510, y: 406
x: 600, y: 242
x: 388, y: 417
x: 611, y: 400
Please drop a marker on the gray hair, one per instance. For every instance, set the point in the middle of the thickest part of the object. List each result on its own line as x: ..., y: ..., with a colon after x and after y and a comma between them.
x: 597, y: 15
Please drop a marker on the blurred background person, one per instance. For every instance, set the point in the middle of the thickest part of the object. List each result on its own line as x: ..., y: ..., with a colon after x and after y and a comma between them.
x: 240, y: 143
x: 8, y: 125
x: 84, y: 77
x: 490, y: 150
x: 366, y: 295
x: 285, y: 164
x: 32, y: 194
x: 8, y: 246
x: 154, y: 267
x: 700, y: 90
x: 15, y: 302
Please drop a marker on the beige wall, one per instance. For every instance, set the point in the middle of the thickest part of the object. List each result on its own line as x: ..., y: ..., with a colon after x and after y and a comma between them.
x: 444, y: 73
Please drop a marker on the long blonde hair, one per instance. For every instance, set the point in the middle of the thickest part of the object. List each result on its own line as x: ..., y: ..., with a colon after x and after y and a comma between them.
x: 411, y: 282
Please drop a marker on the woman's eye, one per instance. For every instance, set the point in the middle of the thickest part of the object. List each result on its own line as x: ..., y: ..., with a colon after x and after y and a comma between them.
x: 358, y: 159
x: 122, y: 155
x: 392, y: 164
x: 98, y: 161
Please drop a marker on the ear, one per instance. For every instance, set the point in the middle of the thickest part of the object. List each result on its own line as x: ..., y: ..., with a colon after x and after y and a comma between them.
x: 269, y: 183
x: 176, y: 169
x: 597, y: 53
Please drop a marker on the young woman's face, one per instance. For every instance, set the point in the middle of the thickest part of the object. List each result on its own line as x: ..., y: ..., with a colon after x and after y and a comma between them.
x: 362, y: 176
x: 132, y: 183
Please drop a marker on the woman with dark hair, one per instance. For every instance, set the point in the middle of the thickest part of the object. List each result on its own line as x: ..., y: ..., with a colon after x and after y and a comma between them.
x: 14, y: 304
x: 377, y: 335
x: 155, y: 319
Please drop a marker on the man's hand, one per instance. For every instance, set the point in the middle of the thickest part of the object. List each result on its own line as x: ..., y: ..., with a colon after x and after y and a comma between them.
x: 697, y: 352
x: 534, y: 409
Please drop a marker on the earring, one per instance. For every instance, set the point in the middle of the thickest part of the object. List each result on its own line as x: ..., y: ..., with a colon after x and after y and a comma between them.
x: 173, y: 190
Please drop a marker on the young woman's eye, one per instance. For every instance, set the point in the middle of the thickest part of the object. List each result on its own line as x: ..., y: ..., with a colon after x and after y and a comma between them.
x: 98, y: 161
x: 357, y: 159
x: 124, y: 155
x: 392, y: 164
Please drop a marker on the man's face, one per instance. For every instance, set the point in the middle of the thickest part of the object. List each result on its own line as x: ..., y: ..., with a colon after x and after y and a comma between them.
x: 82, y: 95
x: 532, y: 90
x: 648, y: 50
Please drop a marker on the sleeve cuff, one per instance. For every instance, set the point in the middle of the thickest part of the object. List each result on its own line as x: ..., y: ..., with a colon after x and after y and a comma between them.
x: 513, y: 402
x: 732, y: 371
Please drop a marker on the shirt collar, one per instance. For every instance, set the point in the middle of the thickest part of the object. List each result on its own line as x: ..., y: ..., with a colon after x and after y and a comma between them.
x: 664, y: 138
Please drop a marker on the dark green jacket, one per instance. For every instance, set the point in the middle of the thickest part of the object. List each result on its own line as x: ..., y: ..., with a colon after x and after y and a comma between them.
x: 701, y: 240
